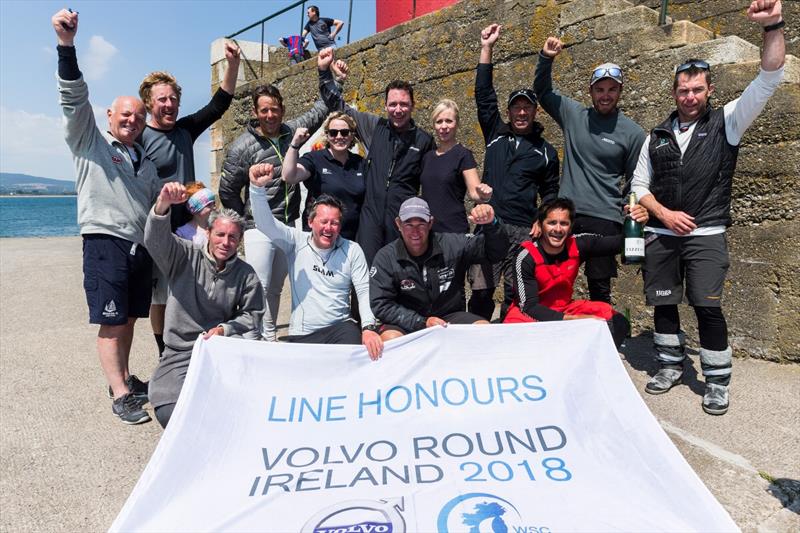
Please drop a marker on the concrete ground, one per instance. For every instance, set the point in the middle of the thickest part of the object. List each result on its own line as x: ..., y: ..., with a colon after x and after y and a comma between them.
x: 66, y: 464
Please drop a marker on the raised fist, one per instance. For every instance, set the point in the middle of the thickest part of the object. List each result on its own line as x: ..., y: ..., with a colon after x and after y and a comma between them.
x: 490, y: 34
x: 232, y: 53
x: 552, y: 47
x: 481, y: 214
x: 765, y: 12
x: 340, y: 70
x: 65, y: 24
x: 261, y: 174
x: 325, y: 58
x: 301, y: 135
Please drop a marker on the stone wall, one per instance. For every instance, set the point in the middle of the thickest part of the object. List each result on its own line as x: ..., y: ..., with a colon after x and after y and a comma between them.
x: 438, y: 53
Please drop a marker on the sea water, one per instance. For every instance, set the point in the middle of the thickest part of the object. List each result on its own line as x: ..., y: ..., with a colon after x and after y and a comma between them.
x: 38, y: 216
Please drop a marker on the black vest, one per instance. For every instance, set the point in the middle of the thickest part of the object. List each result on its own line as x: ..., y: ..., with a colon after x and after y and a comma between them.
x: 699, y: 183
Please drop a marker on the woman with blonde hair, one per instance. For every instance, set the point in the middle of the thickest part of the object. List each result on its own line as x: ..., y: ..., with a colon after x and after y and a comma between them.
x: 334, y: 170
x: 449, y: 173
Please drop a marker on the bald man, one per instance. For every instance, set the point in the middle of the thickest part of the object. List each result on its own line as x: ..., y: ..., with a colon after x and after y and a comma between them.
x: 116, y: 187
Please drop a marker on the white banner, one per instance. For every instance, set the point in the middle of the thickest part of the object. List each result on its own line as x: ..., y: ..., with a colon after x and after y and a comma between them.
x: 525, y: 428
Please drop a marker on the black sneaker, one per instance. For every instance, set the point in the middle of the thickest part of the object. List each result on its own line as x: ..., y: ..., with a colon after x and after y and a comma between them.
x: 136, y: 387
x: 129, y: 410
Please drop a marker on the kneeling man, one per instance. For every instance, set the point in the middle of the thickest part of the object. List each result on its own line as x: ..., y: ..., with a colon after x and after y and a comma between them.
x: 212, y: 292
x: 322, y: 267
x: 417, y: 281
x: 545, y: 271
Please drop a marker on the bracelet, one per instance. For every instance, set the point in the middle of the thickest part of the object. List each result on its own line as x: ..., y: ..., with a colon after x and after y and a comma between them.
x: 776, y: 26
x: 295, y: 147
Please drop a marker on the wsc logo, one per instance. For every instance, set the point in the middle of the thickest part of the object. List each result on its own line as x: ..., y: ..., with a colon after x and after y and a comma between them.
x: 359, y: 516
x: 478, y: 512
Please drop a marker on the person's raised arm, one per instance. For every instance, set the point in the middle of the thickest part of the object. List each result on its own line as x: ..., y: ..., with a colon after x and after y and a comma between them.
x: 550, y: 100
x: 282, y: 235
x: 292, y: 171
x: 489, y: 37
x: 478, y: 192
x: 162, y: 245
x: 741, y: 112
x: 769, y: 13
x: 491, y: 243
x: 202, y: 119
x: 233, y: 57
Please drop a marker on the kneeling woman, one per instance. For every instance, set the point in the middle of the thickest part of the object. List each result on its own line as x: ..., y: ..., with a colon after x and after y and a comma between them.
x: 545, y: 271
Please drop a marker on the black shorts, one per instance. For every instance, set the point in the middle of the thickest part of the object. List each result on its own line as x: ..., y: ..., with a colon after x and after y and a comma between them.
x: 346, y: 332
x: 700, y: 263
x: 117, y: 278
x: 598, y: 267
x: 459, y: 317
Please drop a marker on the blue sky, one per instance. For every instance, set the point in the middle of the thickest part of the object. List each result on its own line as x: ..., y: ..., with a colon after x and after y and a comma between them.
x: 118, y: 43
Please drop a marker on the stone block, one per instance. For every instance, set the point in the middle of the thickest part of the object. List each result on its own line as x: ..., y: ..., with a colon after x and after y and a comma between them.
x: 633, y: 19
x: 580, y: 10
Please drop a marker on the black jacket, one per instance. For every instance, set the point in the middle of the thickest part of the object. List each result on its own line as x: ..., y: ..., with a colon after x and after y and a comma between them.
x: 405, y: 295
x: 699, y: 182
x: 250, y: 148
x: 393, y: 162
x: 517, y: 174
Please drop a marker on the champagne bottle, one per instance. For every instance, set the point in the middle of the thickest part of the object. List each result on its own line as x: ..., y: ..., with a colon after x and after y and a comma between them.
x: 633, y: 247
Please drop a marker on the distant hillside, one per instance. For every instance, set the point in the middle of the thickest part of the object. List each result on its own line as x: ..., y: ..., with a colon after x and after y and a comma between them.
x: 11, y: 183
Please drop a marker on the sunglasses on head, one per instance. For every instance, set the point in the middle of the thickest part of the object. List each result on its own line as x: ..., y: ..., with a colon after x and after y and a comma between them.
x: 702, y: 65
x: 343, y: 133
x: 612, y: 72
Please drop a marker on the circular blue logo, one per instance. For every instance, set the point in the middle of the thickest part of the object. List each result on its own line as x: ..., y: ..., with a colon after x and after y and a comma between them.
x: 478, y: 512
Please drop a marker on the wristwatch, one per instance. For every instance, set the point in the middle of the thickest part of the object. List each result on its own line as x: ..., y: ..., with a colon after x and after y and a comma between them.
x: 370, y: 327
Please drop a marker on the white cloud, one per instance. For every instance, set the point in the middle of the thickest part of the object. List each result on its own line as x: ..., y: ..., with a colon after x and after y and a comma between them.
x: 33, y: 143
x: 49, y: 51
x: 97, y: 60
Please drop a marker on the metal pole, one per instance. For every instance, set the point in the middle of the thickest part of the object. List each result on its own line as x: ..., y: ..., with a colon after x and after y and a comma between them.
x: 662, y: 16
x: 302, y: 16
x: 261, y: 70
x: 349, y: 21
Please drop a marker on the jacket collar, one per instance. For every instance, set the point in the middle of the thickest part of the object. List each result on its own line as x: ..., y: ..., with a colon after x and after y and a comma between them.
x: 254, y: 128
x: 534, y: 136
x: 402, y: 251
x: 210, y: 258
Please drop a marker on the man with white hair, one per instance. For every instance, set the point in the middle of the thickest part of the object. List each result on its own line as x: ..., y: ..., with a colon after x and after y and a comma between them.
x: 212, y: 292
x: 116, y: 186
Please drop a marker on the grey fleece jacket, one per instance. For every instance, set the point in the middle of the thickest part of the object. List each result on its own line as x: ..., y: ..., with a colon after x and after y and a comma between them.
x: 200, y: 298
x: 113, y: 198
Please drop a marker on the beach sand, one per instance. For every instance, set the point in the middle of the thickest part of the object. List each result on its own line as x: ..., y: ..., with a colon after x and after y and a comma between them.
x: 67, y: 464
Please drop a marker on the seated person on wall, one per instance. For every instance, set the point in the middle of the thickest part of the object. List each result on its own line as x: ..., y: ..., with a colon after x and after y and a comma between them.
x: 546, y: 269
x: 322, y: 266
x: 212, y: 292
x: 417, y: 281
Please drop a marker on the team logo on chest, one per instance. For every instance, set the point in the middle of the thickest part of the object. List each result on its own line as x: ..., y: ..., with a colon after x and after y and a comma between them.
x: 324, y: 271
x: 407, y: 285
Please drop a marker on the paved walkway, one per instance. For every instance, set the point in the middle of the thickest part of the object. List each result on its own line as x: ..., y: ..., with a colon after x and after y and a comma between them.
x: 66, y: 464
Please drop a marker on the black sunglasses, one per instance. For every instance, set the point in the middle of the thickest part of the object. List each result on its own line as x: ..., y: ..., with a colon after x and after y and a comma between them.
x: 702, y: 65
x: 333, y: 133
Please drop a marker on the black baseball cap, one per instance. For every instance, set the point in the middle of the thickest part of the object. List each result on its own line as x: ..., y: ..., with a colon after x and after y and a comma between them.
x: 525, y: 93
